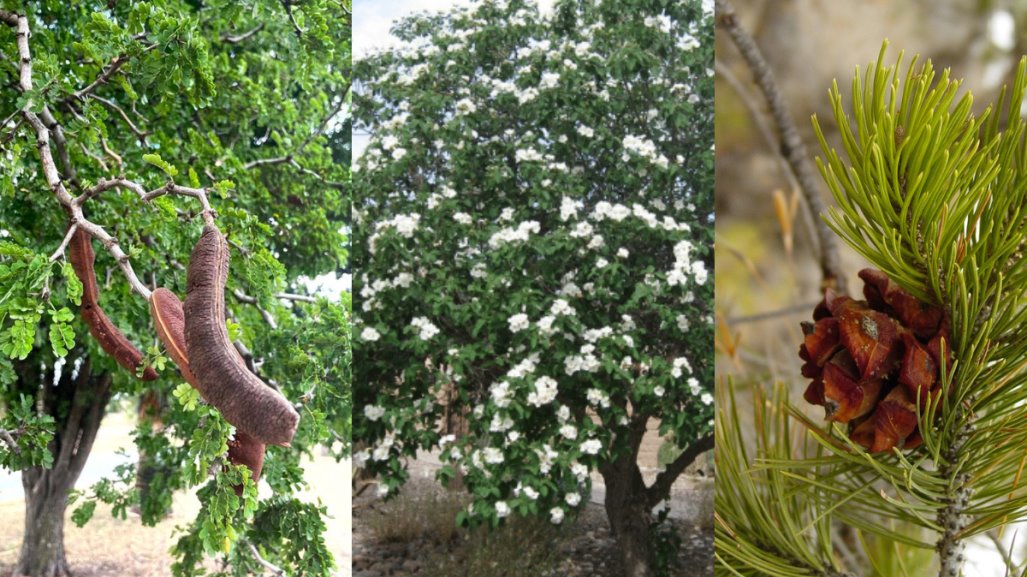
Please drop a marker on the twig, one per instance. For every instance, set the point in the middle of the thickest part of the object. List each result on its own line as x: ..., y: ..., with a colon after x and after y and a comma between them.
x: 245, y: 298
x: 104, y: 76
x: 264, y: 562
x: 241, y: 37
x: 290, y: 158
x: 114, y: 156
x: 295, y: 297
x: 99, y: 159
x: 64, y: 243
x: 8, y: 437
x: 140, y: 134
x: 292, y: 18
x: 792, y: 146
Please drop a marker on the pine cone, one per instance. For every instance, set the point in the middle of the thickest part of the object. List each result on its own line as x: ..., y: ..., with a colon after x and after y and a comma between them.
x: 870, y: 359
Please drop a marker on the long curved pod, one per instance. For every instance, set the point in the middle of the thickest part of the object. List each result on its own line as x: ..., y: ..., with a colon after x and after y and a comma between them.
x: 222, y: 378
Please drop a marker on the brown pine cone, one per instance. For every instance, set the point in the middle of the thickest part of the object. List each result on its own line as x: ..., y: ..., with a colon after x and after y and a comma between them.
x: 870, y: 359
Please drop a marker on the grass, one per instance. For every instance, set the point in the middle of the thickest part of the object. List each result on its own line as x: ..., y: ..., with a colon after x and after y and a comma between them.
x: 519, y: 548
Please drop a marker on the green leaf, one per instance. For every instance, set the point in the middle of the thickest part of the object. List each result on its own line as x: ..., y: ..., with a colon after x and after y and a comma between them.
x: 156, y: 160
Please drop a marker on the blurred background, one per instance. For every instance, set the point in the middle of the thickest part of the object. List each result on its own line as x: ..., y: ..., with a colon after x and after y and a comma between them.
x: 768, y: 277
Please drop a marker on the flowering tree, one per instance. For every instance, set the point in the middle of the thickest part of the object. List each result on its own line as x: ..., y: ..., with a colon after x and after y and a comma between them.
x: 125, y: 125
x: 532, y: 235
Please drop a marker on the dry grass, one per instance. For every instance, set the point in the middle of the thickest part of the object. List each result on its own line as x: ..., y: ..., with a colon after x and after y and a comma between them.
x: 426, y: 516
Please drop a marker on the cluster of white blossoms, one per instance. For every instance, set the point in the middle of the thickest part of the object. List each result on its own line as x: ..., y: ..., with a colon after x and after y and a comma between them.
x: 370, y: 334
x: 373, y: 412
x: 405, y: 225
x: 426, y: 329
x: 642, y: 146
x: 544, y: 393
x: 519, y: 234
x: 519, y: 322
x: 684, y: 266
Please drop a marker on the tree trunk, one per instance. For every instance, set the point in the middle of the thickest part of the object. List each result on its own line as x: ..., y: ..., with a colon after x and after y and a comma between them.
x: 77, y: 403
x: 42, y: 547
x: 629, y: 514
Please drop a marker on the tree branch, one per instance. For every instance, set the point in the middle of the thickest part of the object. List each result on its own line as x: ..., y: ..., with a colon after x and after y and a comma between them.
x: 140, y: 134
x: 104, y: 76
x: 265, y: 563
x: 245, y: 298
x: 64, y: 243
x: 792, y: 146
x: 660, y: 488
x: 9, y: 438
x: 241, y: 37
x: 292, y: 18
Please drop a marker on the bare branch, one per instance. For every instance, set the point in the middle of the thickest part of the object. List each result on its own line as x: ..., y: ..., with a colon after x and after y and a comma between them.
x: 104, y: 76
x: 64, y: 243
x: 241, y: 37
x: 245, y: 298
x: 295, y: 297
x: 292, y: 18
x: 274, y: 569
x: 660, y: 488
x: 792, y: 147
x: 140, y: 134
x: 99, y: 159
x: 8, y: 436
x: 267, y: 161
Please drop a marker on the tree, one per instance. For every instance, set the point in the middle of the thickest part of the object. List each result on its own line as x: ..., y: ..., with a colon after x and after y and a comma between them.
x: 931, y: 194
x: 533, y: 224
x: 131, y: 124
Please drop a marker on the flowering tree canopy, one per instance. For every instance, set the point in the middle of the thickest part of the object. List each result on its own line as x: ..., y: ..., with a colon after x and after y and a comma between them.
x: 533, y: 225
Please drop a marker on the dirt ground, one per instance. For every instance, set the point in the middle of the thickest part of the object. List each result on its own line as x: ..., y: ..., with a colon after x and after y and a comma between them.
x: 125, y: 548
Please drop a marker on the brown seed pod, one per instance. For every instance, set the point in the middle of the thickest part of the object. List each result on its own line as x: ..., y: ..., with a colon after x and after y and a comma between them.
x: 169, y: 318
x: 249, y: 452
x: 111, y: 340
x: 224, y: 381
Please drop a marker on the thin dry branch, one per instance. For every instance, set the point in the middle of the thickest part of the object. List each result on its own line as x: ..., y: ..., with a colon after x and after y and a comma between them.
x: 792, y: 147
x: 140, y: 134
x: 228, y: 39
x: 64, y: 243
x: 8, y: 437
x: 104, y: 76
x: 274, y: 569
x: 245, y: 298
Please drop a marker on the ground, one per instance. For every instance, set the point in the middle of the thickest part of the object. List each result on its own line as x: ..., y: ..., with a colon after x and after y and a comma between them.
x: 108, y: 547
x: 415, y: 533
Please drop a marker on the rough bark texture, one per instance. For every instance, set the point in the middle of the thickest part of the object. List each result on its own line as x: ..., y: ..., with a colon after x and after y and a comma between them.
x: 222, y: 379
x: 629, y: 515
x: 111, y: 340
x: 77, y: 404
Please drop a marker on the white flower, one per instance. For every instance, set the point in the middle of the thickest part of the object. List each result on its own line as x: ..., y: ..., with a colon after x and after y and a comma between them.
x: 563, y: 413
x: 544, y: 393
x: 527, y: 155
x: 463, y: 218
x: 518, y: 322
x: 465, y: 106
x: 445, y: 440
x: 591, y: 447
x: 561, y: 307
x: 530, y: 493
x: 507, y: 214
x: 373, y: 412
x: 545, y: 325
x: 569, y: 431
x: 493, y: 456
x: 693, y: 386
x: 572, y: 499
x: 682, y: 323
x: 549, y: 80
x: 370, y: 334
x: 556, y: 515
x: 580, y: 471
x: 382, y: 490
x: 500, y: 394
x: 502, y: 509
x: 622, y: 253
x: 659, y: 390
x: 500, y: 423
x: 586, y: 131
x: 597, y: 397
x: 706, y: 399
x: 427, y: 328
x: 568, y: 208
x: 399, y: 153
